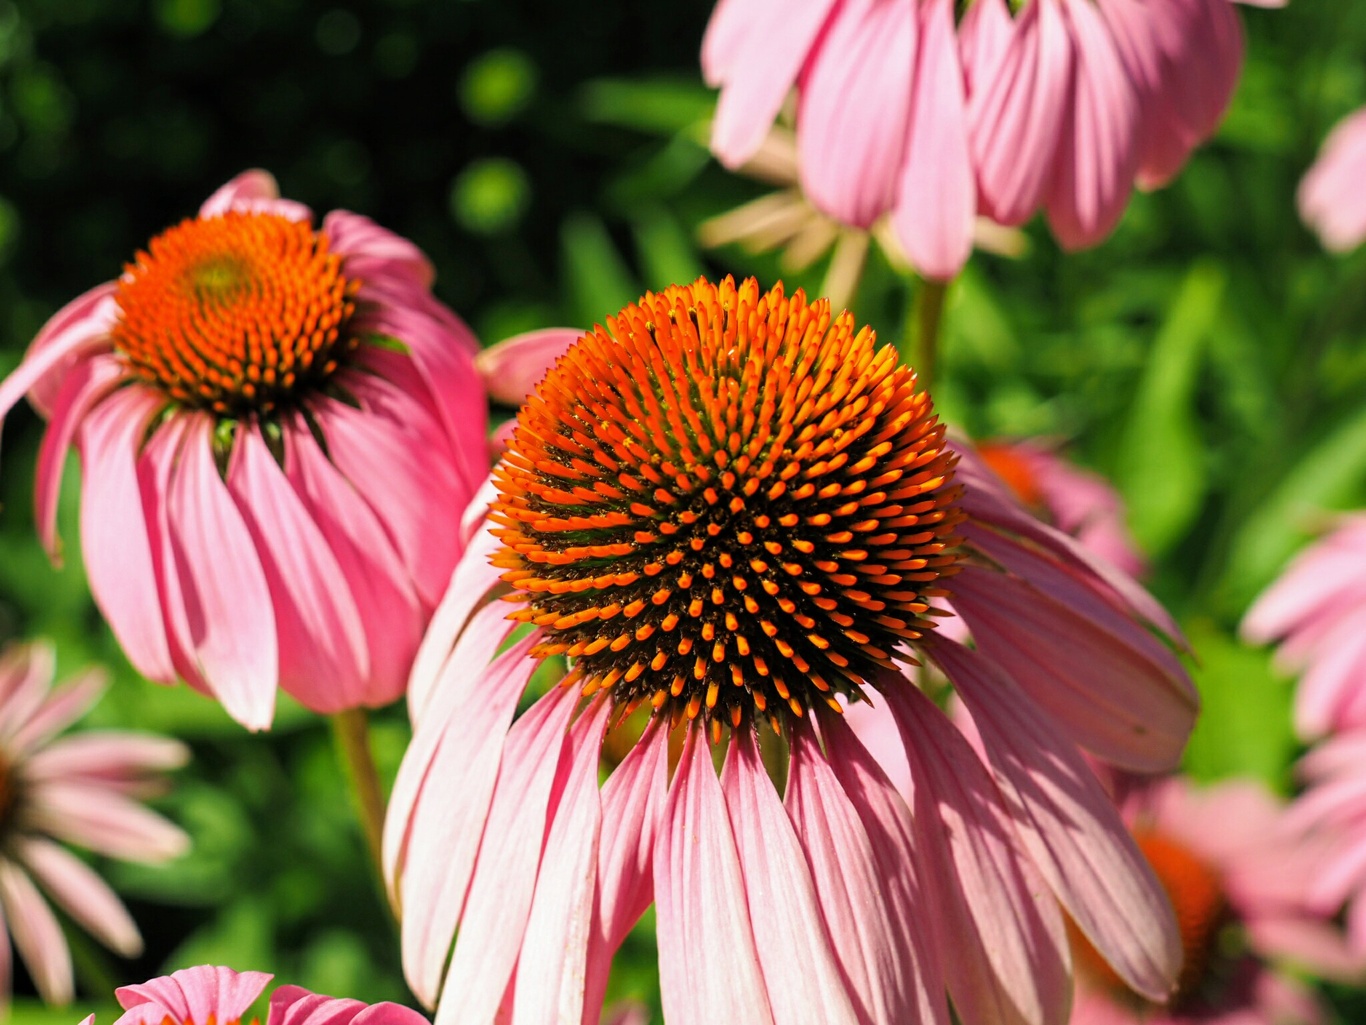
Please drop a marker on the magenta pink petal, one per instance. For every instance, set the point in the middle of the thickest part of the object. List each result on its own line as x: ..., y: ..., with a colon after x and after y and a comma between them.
x: 1070, y: 827
x: 116, y: 540
x: 324, y: 657
x: 513, y: 368
x: 854, y: 109
x: 192, y: 995
x: 799, y: 969
x: 703, y: 906
x: 371, y: 250
x: 224, y: 609
x: 500, y: 893
x: 294, y: 1005
x: 81, y: 893
x: 253, y: 191
x: 1004, y: 946
x: 936, y: 199
x: 558, y: 931
x: 37, y: 935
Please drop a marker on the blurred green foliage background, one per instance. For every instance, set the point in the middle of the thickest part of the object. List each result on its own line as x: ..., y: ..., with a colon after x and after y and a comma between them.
x: 551, y: 159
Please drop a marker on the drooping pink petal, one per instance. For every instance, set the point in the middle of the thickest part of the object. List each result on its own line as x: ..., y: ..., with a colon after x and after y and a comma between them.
x: 192, y: 995
x: 294, y: 1005
x: 116, y: 538
x: 500, y: 892
x: 254, y: 191
x: 93, y: 816
x: 372, y: 251
x: 1004, y: 947
x: 1330, y: 198
x: 37, y: 935
x: 90, y: 314
x: 725, y: 36
x: 1070, y: 827
x: 512, y: 368
x: 559, y: 928
x: 762, y: 68
x: 113, y: 757
x: 432, y: 836
x: 224, y: 611
x: 936, y: 197
x: 854, y: 110
x: 799, y: 969
x: 1014, y: 120
x: 983, y: 37
x: 702, y: 905
x: 324, y: 655
x: 81, y: 893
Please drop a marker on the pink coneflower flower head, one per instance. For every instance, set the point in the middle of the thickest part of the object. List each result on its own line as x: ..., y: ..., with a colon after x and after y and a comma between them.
x: 1316, y: 610
x: 269, y: 417
x: 906, y: 109
x: 1238, y: 883
x: 1330, y: 196
x: 81, y: 789
x: 211, y: 995
x: 1076, y: 501
x: 730, y: 512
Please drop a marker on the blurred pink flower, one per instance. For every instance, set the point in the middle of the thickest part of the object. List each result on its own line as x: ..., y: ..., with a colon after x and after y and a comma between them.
x: 81, y: 789
x: 208, y: 995
x: 270, y: 421
x: 1331, y: 198
x: 1239, y: 883
x: 1076, y: 501
x: 726, y: 511
x: 1317, y: 611
x: 904, y: 109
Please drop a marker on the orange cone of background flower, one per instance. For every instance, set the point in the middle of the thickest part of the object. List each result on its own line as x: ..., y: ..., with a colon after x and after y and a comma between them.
x: 730, y: 511
x: 272, y: 420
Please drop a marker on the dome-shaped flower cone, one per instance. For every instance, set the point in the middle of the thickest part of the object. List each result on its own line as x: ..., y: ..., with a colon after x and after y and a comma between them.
x: 732, y: 513
x: 269, y: 417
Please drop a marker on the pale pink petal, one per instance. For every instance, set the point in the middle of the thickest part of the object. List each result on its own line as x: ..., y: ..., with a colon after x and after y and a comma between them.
x: 81, y: 893
x: 253, y: 191
x: 1070, y: 827
x: 876, y: 729
x: 702, y: 905
x: 726, y: 34
x: 1097, y: 157
x: 294, y: 1005
x: 88, y: 382
x: 372, y: 251
x: 854, y: 107
x: 324, y: 657
x: 1330, y: 197
x: 559, y: 928
x: 224, y: 611
x: 917, y: 980
x: 94, y: 816
x: 26, y: 672
x: 1334, y: 677
x: 984, y: 35
x: 116, y: 541
x: 107, y: 756
x: 799, y: 969
x: 192, y: 995
x: 37, y: 935
x: 1004, y: 947
x: 1316, y: 946
x: 936, y: 202
x: 514, y: 367
x: 91, y: 314
x: 1015, y: 119
x: 431, y: 836
x: 493, y: 923
x: 62, y: 707
x: 762, y: 69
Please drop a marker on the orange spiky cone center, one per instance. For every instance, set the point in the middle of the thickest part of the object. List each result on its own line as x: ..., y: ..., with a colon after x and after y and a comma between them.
x: 239, y: 313
x: 727, y: 503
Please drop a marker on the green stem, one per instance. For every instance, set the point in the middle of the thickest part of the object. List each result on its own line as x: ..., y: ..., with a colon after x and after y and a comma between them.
x: 923, y: 329
x: 351, y: 733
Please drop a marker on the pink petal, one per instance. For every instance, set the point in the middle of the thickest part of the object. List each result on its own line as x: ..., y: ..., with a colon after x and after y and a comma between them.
x: 803, y: 981
x: 936, y: 201
x: 1070, y: 827
x: 89, y: 315
x: 105, y: 756
x: 252, y: 192
x: 876, y: 729
x: 726, y: 34
x: 708, y: 964
x: 224, y: 612
x: 37, y: 936
x: 324, y: 657
x: 1005, y: 949
x: 1015, y: 119
x: 514, y: 367
x: 1331, y: 682
x: 983, y: 37
x: 81, y: 894
x: 494, y: 920
x: 97, y: 817
x: 372, y: 251
x: 762, y: 69
x: 59, y: 710
x: 1097, y: 158
x: 854, y: 108
x: 294, y: 1005
x: 1329, y: 197
x: 116, y: 539
x: 432, y: 832
x: 558, y: 931
x: 192, y: 996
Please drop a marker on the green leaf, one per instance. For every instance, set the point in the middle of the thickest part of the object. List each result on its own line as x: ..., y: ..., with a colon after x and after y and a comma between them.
x: 597, y: 280
x: 658, y: 105
x: 667, y: 253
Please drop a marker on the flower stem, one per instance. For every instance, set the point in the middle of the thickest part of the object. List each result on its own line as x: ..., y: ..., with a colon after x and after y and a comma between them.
x: 923, y: 329
x: 351, y: 733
